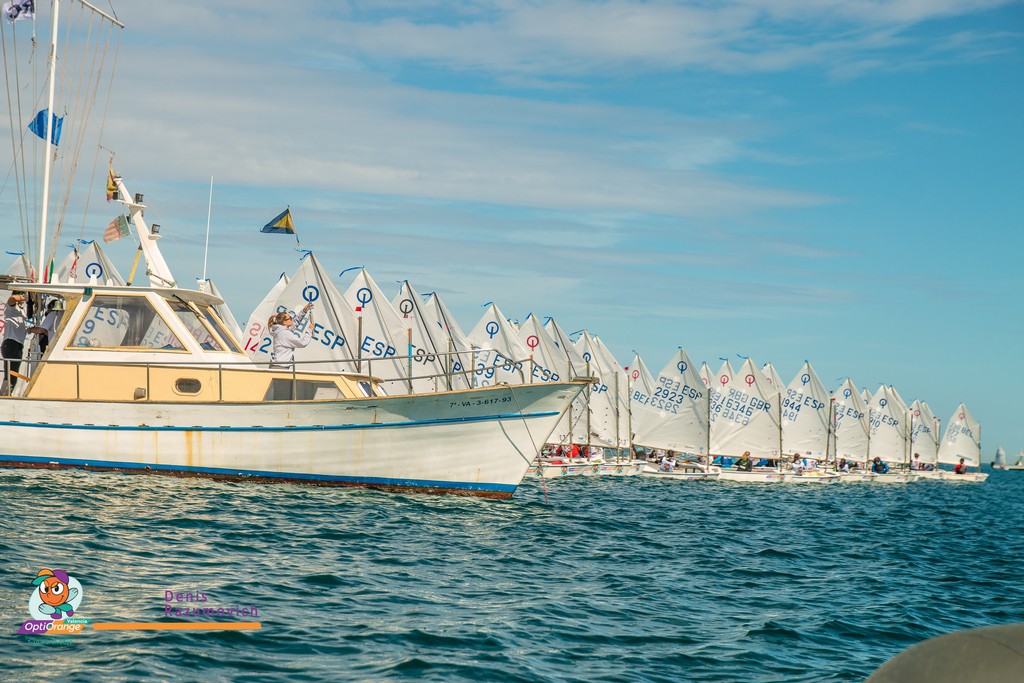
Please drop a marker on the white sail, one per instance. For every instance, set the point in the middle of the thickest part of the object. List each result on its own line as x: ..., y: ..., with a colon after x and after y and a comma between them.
x: 254, y: 326
x: 924, y: 432
x: 889, y: 429
x: 435, y: 309
x: 706, y: 377
x: 770, y: 374
x: 620, y: 390
x: 1000, y: 458
x: 601, y: 424
x: 851, y: 429
x: 805, y: 415
x: 382, y: 333
x: 548, y: 361
x: 334, y: 327
x: 573, y: 424
x: 670, y: 411
x: 432, y: 345
x: 962, y: 439
x: 498, y: 354
x: 87, y: 265
x: 745, y: 415
x: 20, y: 269
x: 866, y: 396
x: 565, y: 345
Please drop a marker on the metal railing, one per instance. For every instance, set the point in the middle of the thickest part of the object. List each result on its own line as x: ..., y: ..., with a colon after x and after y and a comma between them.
x: 475, y: 375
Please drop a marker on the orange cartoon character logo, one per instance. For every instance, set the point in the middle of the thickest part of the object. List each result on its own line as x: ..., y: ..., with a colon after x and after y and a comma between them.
x: 58, y: 594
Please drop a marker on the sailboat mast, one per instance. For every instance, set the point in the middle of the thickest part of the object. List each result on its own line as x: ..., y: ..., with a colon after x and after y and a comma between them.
x: 46, y: 144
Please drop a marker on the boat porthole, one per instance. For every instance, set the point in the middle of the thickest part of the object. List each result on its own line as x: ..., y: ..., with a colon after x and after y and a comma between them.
x: 187, y: 386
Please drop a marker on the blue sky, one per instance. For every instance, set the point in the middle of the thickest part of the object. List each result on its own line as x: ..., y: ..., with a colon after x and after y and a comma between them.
x: 834, y: 181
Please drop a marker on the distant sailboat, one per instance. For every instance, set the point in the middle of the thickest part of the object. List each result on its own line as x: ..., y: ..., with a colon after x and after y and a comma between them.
x: 999, y: 463
x: 805, y: 415
x: 924, y: 439
x: 962, y: 441
x: 890, y: 435
x: 670, y: 413
x: 851, y: 433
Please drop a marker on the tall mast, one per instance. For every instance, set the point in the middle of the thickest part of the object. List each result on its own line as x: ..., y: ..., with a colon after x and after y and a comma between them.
x: 46, y: 145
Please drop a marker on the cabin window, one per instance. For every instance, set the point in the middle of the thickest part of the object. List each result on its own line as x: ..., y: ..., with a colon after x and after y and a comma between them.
x: 202, y: 334
x: 282, y: 389
x: 124, y: 322
x: 187, y: 385
x: 367, y: 389
x: 215, y: 322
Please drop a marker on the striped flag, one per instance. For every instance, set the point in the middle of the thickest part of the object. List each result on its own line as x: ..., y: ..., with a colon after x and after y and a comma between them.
x: 117, y: 229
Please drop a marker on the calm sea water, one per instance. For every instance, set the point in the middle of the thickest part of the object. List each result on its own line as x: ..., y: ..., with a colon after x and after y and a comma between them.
x: 610, y: 579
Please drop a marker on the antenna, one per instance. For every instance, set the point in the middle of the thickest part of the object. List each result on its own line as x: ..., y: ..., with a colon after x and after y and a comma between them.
x: 206, y: 250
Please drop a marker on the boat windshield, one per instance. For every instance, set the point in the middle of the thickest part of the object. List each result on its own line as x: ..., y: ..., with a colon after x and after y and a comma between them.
x: 205, y: 337
x: 116, y: 321
x: 215, y: 322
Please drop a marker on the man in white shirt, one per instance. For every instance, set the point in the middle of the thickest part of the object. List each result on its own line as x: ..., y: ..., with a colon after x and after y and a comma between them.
x: 54, y: 312
x: 13, y: 347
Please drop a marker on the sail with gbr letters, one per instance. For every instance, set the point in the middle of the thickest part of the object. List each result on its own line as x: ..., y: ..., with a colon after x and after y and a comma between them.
x: 962, y: 439
x: 745, y: 415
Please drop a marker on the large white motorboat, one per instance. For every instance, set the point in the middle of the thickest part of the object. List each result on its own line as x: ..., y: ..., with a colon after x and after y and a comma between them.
x: 148, y: 379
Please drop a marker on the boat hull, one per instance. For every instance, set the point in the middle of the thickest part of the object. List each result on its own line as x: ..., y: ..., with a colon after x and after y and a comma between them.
x: 857, y: 477
x: 682, y: 473
x: 478, y: 442
x: 561, y: 468
x: 557, y: 470
x: 751, y: 477
x: 953, y: 477
x: 892, y: 478
x: 810, y: 477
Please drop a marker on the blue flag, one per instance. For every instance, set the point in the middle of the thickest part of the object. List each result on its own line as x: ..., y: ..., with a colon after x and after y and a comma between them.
x: 38, y: 126
x: 281, y: 223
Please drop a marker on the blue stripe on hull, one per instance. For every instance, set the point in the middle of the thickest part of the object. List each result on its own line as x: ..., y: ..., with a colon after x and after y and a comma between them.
x: 502, y: 490
x: 297, y: 428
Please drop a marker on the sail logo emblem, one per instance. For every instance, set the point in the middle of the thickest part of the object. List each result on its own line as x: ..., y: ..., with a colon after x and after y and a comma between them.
x: 56, y: 596
x: 310, y: 293
x: 681, y: 366
x: 94, y: 270
x: 491, y: 328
